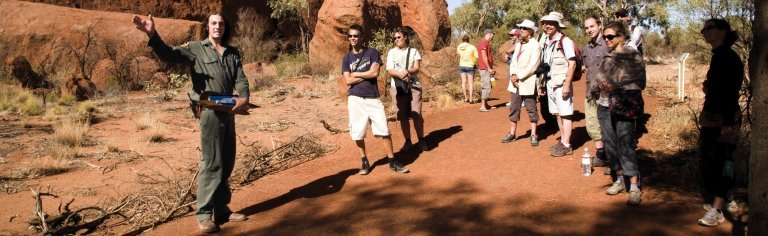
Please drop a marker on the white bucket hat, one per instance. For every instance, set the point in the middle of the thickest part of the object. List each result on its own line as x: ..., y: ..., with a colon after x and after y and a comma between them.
x: 556, y: 17
x: 528, y: 24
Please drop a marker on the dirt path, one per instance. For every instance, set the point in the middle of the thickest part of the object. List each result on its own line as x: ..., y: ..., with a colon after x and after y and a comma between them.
x: 469, y: 183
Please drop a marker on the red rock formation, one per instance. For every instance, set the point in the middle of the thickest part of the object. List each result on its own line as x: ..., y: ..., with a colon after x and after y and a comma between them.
x: 428, y: 18
x: 36, y: 29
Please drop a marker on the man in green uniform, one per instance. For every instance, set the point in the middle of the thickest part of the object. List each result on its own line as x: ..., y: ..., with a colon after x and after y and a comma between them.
x: 215, y: 67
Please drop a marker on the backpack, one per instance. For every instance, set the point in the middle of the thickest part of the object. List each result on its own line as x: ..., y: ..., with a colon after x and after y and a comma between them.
x: 579, y: 60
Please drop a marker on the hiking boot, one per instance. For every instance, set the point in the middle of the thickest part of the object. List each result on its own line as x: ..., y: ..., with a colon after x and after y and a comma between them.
x: 713, y: 217
x: 635, y: 196
x: 237, y: 217
x: 406, y: 147
x: 397, y: 167
x: 207, y: 226
x: 561, y: 151
x: 534, y: 141
x: 597, y: 162
x: 366, y: 168
x: 508, y: 138
x: 556, y: 146
x: 615, y: 188
x: 423, y: 145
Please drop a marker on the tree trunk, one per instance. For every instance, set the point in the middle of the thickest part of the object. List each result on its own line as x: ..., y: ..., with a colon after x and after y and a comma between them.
x: 758, y: 162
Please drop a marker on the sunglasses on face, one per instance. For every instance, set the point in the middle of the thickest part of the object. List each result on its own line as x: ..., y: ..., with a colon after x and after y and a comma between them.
x: 398, y: 37
x: 353, y: 36
x: 610, y: 37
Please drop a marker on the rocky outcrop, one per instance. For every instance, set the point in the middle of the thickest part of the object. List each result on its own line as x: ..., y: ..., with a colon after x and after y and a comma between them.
x: 81, y: 88
x: 42, y: 31
x: 429, y: 19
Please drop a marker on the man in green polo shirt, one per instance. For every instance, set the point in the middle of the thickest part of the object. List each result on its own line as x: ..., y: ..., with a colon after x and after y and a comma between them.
x: 215, y: 67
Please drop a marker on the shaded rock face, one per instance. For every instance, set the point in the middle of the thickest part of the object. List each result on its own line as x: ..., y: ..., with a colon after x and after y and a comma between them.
x: 22, y: 71
x: 429, y: 19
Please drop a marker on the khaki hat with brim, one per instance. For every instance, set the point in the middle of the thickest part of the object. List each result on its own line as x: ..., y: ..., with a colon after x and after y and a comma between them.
x: 554, y: 17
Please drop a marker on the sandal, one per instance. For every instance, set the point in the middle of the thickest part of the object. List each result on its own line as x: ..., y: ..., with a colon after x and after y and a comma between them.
x: 483, y: 110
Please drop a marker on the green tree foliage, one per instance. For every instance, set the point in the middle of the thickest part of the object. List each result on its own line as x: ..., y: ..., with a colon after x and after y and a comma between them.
x: 292, y: 11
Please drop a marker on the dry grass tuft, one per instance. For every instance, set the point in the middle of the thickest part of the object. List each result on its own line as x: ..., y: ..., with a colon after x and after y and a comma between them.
x: 444, y: 101
x: 157, y: 133
x: 46, y: 166
x: 18, y: 100
x: 86, y: 108
x: 70, y: 133
x: 146, y: 121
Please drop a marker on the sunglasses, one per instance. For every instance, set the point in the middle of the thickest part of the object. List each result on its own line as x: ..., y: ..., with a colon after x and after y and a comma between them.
x: 353, y: 36
x: 708, y: 28
x: 398, y: 37
x: 610, y: 37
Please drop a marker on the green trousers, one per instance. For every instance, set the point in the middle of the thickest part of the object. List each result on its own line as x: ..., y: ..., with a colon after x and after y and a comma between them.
x: 217, y: 142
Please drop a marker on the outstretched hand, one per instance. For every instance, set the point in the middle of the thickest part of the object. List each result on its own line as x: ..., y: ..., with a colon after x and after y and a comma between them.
x: 146, y: 26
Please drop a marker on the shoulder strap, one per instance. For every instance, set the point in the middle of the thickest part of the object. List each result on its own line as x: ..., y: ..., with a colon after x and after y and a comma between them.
x: 407, y: 57
x: 359, y: 59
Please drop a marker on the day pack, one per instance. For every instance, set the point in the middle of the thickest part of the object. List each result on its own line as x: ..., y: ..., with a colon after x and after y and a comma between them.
x: 579, y: 60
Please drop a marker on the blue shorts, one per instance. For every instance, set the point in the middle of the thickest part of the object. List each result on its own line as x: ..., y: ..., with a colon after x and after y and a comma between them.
x: 466, y: 70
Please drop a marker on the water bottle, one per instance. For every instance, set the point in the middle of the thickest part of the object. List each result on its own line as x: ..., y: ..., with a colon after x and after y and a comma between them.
x: 493, y: 81
x: 586, y: 163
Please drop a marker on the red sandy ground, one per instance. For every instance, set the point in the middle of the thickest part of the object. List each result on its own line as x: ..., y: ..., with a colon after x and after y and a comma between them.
x: 468, y: 183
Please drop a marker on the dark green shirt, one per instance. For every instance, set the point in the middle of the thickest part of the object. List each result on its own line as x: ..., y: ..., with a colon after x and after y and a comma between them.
x: 210, y: 71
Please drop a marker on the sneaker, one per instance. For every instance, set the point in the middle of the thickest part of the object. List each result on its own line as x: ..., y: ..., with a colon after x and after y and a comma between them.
x: 534, y: 141
x: 508, y: 138
x: 508, y: 103
x: 366, y: 168
x: 423, y: 146
x: 635, y: 196
x: 406, y: 147
x: 713, y: 217
x: 597, y: 162
x: 707, y: 207
x: 556, y: 146
x: 207, y: 226
x: 562, y: 151
x: 615, y: 188
x: 397, y: 167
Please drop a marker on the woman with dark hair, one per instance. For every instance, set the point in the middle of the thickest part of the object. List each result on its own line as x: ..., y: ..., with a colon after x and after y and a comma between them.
x: 620, y: 81
x: 403, y: 66
x: 720, y: 118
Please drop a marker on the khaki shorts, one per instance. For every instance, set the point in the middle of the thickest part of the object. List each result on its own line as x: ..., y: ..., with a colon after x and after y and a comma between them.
x: 593, y: 123
x: 365, y: 110
x: 406, y: 107
x: 485, y: 84
x: 557, y: 105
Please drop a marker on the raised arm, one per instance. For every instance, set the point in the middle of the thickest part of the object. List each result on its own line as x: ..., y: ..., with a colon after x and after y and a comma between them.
x: 166, y: 53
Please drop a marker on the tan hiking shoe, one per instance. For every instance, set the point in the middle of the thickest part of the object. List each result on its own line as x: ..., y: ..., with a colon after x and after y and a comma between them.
x: 237, y: 217
x: 207, y: 226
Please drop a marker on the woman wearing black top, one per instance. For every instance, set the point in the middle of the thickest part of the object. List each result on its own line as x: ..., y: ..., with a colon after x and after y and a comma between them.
x: 720, y: 117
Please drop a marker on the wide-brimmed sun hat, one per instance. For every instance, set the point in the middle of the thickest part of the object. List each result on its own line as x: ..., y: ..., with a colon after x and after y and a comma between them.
x: 528, y: 24
x: 556, y: 17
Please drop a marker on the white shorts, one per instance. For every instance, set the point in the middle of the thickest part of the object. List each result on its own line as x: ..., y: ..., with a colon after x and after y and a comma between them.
x: 558, y: 105
x: 362, y: 111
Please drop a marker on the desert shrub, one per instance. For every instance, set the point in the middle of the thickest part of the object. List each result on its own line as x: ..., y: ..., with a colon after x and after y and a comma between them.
x: 292, y: 65
x: 70, y: 133
x: 145, y: 122
x: 67, y: 99
x: 168, y: 92
x: 382, y: 41
x: 250, y: 37
x: 18, y: 100
x: 86, y: 108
